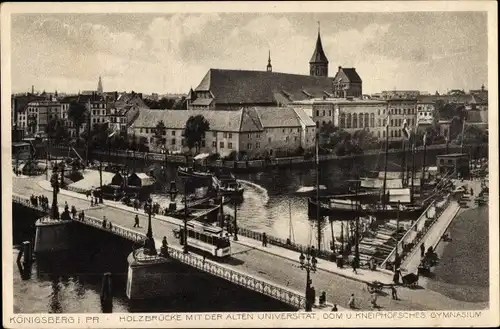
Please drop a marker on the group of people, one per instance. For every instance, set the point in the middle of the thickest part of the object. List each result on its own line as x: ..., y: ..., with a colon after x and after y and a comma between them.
x: 373, y: 298
x: 40, y: 200
x: 94, y: 200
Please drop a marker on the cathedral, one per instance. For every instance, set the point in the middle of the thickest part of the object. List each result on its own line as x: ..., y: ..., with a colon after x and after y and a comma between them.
x: 222, y: 89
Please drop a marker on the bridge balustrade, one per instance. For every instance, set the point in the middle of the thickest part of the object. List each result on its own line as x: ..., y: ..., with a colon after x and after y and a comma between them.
x: 283, y: 243
x: 282, y: 294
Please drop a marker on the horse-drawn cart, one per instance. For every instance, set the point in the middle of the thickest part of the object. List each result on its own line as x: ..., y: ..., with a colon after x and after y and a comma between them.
x: 377, y: 286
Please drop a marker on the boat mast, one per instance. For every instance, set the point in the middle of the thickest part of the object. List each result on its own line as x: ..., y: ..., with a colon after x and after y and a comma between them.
x: 317, y: 191
x: 386, y: 160
x: 423, y: 164
x: 403, y: 163
x: 412, y: 169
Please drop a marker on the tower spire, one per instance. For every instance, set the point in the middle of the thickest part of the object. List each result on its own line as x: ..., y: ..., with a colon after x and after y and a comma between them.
x: 269, y: 66
x: 318, y: 65
x: 99, y: 86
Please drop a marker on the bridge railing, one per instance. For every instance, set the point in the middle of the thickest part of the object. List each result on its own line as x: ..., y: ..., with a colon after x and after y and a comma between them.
x: 279, y: 293
x: 27, y: 202
x: 283, y: 243
x: 118, y: 230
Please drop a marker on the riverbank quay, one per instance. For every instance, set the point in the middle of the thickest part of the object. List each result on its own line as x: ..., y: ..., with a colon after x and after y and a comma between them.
x: 257, y: 164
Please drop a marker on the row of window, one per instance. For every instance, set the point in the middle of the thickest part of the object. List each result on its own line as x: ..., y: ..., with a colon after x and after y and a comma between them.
x: 357, y: 121
x: 98, y: 112
x: 425, y: 114
x: 402, y: 111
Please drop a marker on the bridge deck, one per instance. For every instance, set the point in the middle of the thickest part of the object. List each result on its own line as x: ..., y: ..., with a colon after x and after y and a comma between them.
x: 271, y: 264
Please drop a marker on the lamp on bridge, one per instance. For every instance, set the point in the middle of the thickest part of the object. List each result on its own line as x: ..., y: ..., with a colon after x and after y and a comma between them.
x: 100, y: 182
x: 63, y: 166
x: 308, y: 263
x: 54, y: 182
x: 149, y: 244
x: 172, y: 192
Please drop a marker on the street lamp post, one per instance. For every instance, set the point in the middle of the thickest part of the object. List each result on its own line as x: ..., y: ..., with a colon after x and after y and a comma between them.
x: 63, y: 166
x: 308, y: 263
x: 172, y: 192
x: 185, y: 235
x: 149, y: 245
x: 100, y: 182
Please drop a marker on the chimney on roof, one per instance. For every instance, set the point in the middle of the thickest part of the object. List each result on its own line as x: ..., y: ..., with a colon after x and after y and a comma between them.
x: 340, y: 67
x: 32, y: 89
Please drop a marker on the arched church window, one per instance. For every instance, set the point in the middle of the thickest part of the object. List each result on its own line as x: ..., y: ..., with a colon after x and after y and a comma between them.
x: 355, y: 120
x: 348, y: 122
x: 367, y: 120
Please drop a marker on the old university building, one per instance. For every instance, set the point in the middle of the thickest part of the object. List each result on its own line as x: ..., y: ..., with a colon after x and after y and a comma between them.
x: 251, y: 130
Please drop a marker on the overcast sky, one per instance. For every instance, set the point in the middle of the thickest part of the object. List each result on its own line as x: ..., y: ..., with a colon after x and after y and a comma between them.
x: 170, y: 53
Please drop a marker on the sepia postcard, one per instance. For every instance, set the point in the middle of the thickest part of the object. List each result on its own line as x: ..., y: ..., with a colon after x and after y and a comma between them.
x: 250, y: 164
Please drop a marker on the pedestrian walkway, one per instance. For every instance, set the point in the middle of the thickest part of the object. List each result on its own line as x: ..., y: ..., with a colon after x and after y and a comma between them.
x: 431, y: 238
x: 362, y: 275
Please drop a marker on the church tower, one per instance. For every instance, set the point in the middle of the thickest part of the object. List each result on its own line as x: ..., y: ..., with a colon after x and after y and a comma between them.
x: 269, y: 67
x: 318, y: 65
x: 99, y: 86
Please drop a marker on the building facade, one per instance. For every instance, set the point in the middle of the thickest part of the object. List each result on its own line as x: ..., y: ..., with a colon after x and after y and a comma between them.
x: 249, y: 130
x: 347, y: 83
x: 347, y: 114
x: 425, y: 112
x: 39, y: 113
x: 399, y: 110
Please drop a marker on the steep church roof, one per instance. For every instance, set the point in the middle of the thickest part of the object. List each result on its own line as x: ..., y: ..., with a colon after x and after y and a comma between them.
x: 259, y: 87
x: 350, y: 73
x: 318, y: 55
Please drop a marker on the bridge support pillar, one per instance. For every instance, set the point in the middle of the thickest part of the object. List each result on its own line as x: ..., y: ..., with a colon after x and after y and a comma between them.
x: 53, y: 236
x: 153, y: 276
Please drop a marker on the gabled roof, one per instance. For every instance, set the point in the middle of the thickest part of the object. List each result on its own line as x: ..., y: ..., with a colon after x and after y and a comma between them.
x: 350, y: 73
x: 92, y: 98
x: 319, y: 55
x: 306, y: 119
x: 176, y: 119
x: 260, y: 87
x: 252, y: 119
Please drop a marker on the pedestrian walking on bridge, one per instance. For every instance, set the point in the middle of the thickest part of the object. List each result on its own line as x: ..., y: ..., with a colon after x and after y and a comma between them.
x: 394, y: 293
x: 264, y: 239
x: 136, y: 221
x: 374, y: 300
x: 351, y: 302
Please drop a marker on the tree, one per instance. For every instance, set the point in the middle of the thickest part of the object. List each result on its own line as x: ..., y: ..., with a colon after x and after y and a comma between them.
x: 77, y: 113
x: 160, y: 131
x: 364, y: 140
x: 194, y: 131
x: 56, y: 130
x: 472, y: 135
x: 99, y: 136
x: 326, y: 131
